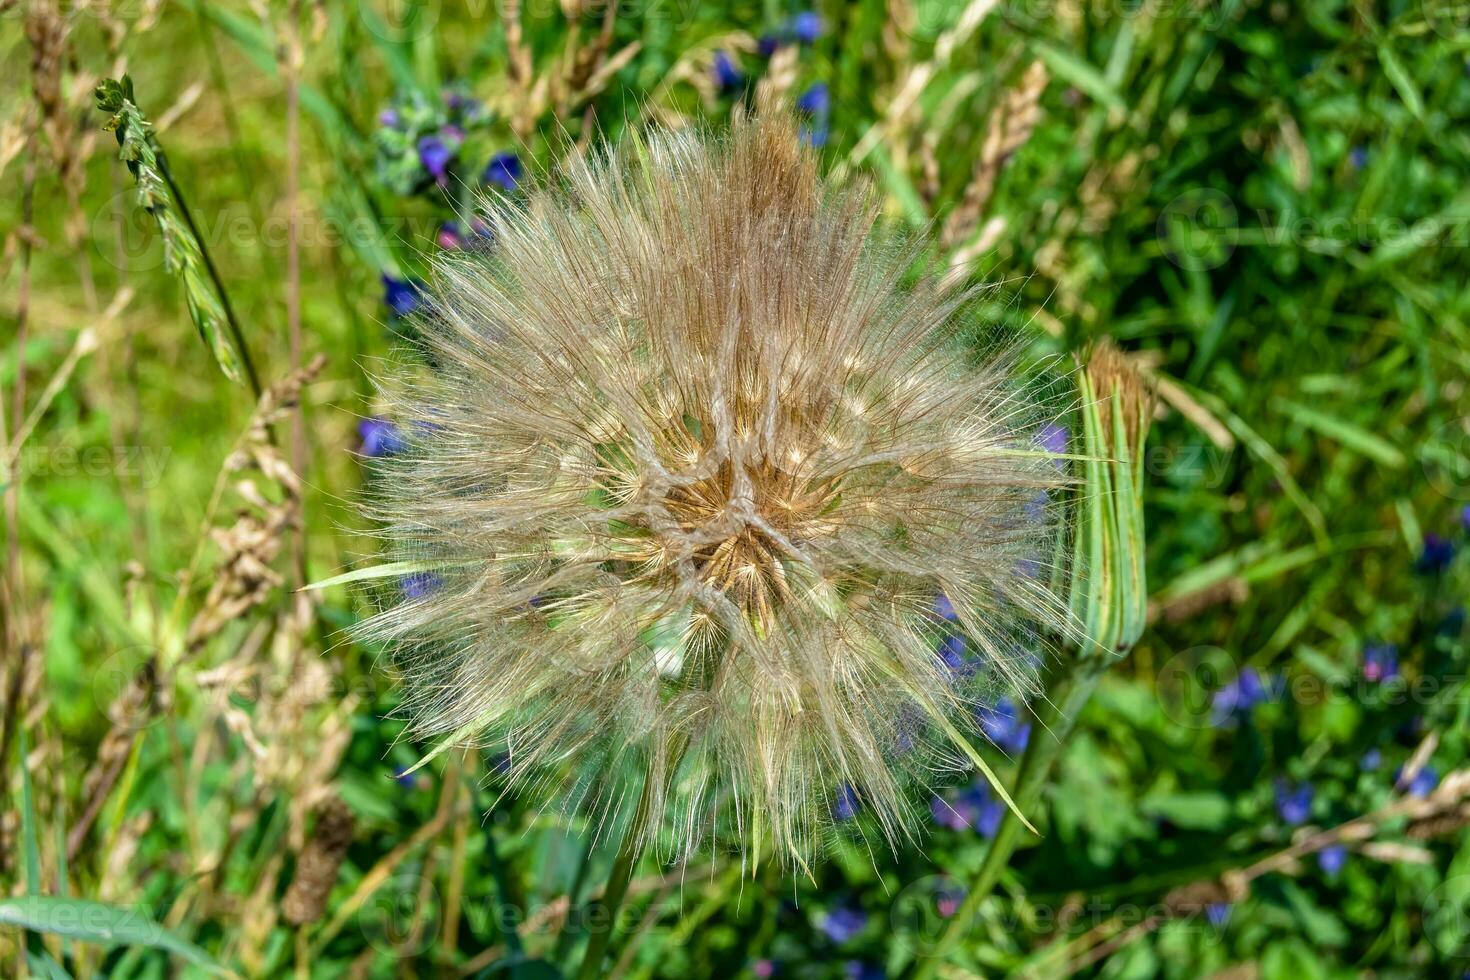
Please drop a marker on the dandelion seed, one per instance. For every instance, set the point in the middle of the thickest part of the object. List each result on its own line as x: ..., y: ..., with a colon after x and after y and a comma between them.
x: 697, y: 455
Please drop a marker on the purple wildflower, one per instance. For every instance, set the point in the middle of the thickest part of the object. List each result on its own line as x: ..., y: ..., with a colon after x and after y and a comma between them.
x: 1003, y: 725
x: 449, y: 237
x: 1294, y: 803
x: 380, y: 437
x: 420, y: 584
x: 1238, y: 697
x: 843, y: 923
x: 504, y: 171
x: 846, y: 806
x: 1371, y: 760
x: 860, y: 970
x: 767, y: 45
x: 402, y: 296
x: 1053, y: 437
x: 806, y: 26
x: 763, y: 969
x: 1436, y: 556
x: 1331, y: 859
x: 1218, y: 913
x: 727, y: 73
x: 1421, y: 785
x: 973, y: 808
x: 1380, y: 662
x: 435, y: 155
x: 1358, y: 157
x: 952, y: 652
x: 388, y: 117
x: 944, y: 609
x: 816, y: 104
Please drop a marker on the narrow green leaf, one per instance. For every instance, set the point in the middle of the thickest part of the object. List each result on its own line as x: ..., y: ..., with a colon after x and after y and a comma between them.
x: 100, y: 923
x: 1353, y: 437
x: 1081, y: 74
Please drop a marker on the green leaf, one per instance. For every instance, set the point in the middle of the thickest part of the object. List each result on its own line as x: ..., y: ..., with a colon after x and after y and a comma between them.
x: 1192, y: 811
x: 98, y: 922
x: 1399, y: 77
x: 1080, y: 74
x: 1353, y: 437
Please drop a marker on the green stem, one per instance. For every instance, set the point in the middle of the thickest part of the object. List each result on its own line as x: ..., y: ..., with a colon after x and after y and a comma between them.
x: 1071, y: 683
x: 617, y: 882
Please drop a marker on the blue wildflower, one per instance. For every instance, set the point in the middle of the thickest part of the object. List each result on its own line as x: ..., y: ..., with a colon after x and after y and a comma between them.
x: 1238, y: 697
x: 434, y: 155
x: 504, y: 171
x: 846, y: 806
x: 404, y: 778
x: 420, y: 584
x: 449, y: 237
x: 860, y: 970
x: 843, y: 923
x: 944, y: 609
x: 1331, y: 859
x: 1003, y: 725
x: 1465, y: 517
x: 389, y: 117
x: 952, y: 652
x: 1371, y: 760
x: 1421, y: 785
x: 1436, y: 556
x: 1053, y: 437
x: 816, y: 104
x: 1358, y: 157
x: 1294, y: 803
x: 767, y: 44
x: 402, y: 296
x: 973, y: 808
x: 806, y: 26
x: 380, y: 437
x: 1218, y: 913
x: 727, y: 73
x: 1380, y: 662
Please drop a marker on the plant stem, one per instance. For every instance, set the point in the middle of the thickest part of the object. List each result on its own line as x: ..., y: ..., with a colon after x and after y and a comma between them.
x: 617, y: 882
x: 1071, y: 683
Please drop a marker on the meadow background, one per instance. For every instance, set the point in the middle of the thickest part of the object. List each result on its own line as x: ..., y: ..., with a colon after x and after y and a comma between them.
x: 1266, y: 203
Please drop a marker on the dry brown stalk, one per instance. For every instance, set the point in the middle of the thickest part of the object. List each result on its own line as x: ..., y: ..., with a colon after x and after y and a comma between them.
x: 1011, y: 124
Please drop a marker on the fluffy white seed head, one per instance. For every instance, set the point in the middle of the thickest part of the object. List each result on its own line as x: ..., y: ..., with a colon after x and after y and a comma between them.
x: 692, y: 466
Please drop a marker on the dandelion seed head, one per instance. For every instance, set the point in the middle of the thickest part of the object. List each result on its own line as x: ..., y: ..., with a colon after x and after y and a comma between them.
x: 706, y: 479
